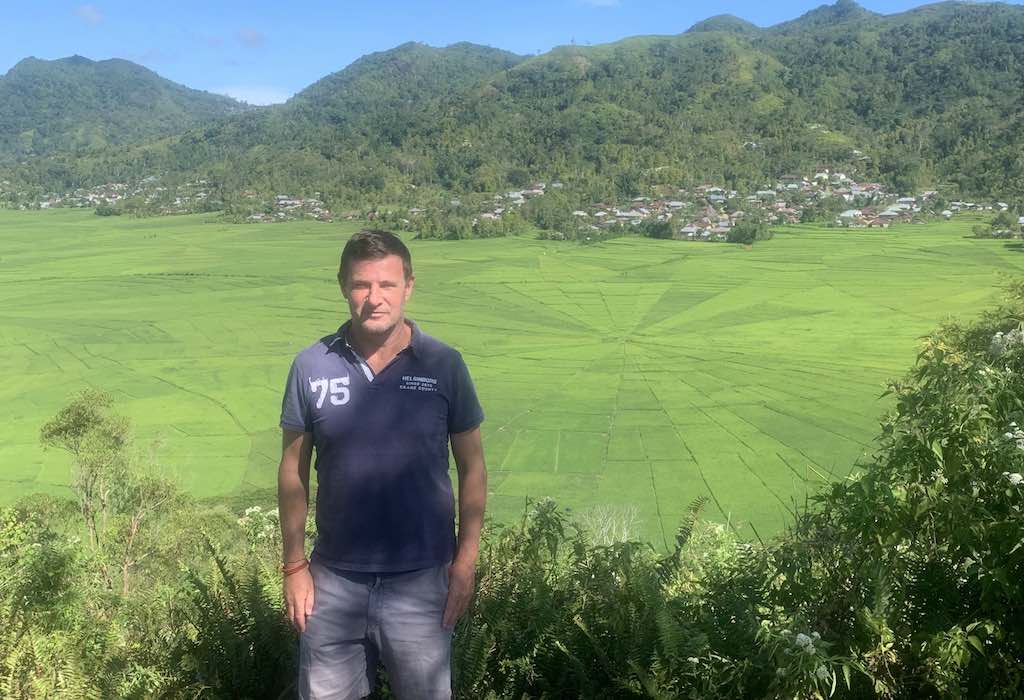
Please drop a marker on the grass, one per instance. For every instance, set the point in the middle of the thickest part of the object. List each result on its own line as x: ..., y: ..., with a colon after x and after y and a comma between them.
x: 634, y: 373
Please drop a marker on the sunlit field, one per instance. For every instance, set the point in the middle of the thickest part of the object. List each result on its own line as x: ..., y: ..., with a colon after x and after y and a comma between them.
x: 629, y: 375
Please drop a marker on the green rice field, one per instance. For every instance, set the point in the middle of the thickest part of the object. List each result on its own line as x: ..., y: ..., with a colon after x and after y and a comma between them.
x: 629, y: 374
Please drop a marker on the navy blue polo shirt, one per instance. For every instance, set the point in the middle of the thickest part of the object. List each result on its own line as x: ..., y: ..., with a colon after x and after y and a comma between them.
x: 385, y: 501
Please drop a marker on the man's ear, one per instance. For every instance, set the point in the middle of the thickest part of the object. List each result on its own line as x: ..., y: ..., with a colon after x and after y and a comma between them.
x: 409, y: 285
x: 341, y: 284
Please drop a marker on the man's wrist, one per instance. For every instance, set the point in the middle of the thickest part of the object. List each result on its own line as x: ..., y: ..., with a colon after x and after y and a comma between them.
x: 464, y: 562
x: 294, y: 567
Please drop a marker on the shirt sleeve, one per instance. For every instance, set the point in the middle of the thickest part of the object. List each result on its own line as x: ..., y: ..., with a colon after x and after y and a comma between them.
x: 464, y: 410
x: 295, y: 414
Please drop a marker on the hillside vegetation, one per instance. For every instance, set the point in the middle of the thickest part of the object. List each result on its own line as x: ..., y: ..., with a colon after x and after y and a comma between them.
x: 75, y: 105
x: 904, y: 581
x: 926, y: 98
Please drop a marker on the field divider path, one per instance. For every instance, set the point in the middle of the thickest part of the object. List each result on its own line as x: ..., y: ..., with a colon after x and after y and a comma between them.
x: 680, y: 354
x: 678, y: 434
x: 508, y: 450
x: 217, y: 402
x: 65, y: 349
x: 872, y: 302
x: 607, y: 309
x: 478, y: 354
x: 654, y: 489
x: 817, y: 424
x: 659, y: 263
x: 553, y: 389
x: 480, y: 293
x: 822, y: 364
x: 765, y: 485
x: 796, y: 473
x: 822, y: 477
x: 534, y: 302
x: 427, y: 319
x: 696, y: 461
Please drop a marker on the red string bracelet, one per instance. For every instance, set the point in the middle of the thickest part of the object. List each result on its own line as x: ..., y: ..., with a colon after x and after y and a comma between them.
x: 289, y: 569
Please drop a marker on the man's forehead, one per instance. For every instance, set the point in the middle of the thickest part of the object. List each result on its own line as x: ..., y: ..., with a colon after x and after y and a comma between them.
x: 388, y: 266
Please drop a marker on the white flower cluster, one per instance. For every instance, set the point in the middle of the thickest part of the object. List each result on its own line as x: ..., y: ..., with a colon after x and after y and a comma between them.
x: 258, y: 523
x: 1001, y: 342
x: 1015, y: 434
x: 1015, y: 478
x: 804, y: 642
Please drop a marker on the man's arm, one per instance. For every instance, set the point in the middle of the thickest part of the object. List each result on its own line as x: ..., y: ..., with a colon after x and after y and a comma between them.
x: 468, y: 450
x: 292, y: 505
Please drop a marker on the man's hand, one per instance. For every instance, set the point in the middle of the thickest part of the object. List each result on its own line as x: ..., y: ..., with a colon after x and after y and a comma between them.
x: 461, y: 578
x: 298, y: 598
x: 468, y: 450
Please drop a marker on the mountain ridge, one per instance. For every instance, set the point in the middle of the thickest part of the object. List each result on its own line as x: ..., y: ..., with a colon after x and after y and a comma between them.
x: 724, y: 22
x: 927, y: 97
x: 75, y: 103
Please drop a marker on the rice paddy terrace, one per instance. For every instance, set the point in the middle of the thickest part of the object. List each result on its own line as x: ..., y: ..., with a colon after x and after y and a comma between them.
x: 633, y: 373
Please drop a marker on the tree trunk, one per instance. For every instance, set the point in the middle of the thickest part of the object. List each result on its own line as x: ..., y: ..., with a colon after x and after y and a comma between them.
x: 90, y: 523
x: 126, y: 561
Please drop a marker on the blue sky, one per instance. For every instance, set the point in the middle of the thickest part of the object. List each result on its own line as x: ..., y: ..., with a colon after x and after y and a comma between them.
x: 264, y: 52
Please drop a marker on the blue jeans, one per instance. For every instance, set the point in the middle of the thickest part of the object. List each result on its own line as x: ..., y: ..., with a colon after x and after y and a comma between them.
x: 360, y: 618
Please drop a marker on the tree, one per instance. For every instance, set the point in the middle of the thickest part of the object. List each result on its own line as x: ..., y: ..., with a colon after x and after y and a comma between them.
x: 656, y: 229
x: 747, y: 232
x: 115, y: 495
x: 96, y: 440
x: 1003, y: 221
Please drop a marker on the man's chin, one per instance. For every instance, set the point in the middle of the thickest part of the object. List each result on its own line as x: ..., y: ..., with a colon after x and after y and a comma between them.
x: 376, y: 327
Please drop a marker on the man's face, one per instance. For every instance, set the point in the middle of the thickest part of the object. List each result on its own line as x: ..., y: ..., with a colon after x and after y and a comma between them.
x: 376, y: 291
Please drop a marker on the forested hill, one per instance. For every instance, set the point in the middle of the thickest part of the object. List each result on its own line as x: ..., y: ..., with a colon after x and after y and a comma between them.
x: 926, y: 98
x: 74, y: 104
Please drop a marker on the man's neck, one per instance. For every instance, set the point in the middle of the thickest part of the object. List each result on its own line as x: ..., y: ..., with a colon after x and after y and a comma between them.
x: 379, y: 347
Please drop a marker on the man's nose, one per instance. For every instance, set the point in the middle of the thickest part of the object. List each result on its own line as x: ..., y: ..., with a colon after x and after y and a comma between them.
x: 374, y: 297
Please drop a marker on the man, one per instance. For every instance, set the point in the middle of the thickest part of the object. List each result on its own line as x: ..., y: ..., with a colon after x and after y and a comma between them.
x: 380, y: 401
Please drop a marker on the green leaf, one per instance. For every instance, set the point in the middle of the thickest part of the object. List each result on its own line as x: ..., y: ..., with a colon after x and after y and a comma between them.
x: 976, y: 643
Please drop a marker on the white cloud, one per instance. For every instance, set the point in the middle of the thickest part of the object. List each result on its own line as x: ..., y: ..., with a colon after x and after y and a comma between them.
x: 255, y: 94
x: 251, y: 38
x: 89, y: 13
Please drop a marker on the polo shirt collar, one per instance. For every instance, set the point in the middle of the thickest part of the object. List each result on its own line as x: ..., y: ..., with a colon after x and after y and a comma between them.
x: 415, y: 341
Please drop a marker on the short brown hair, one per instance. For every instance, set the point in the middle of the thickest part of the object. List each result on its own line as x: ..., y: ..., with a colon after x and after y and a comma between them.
x: 373, y: 244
